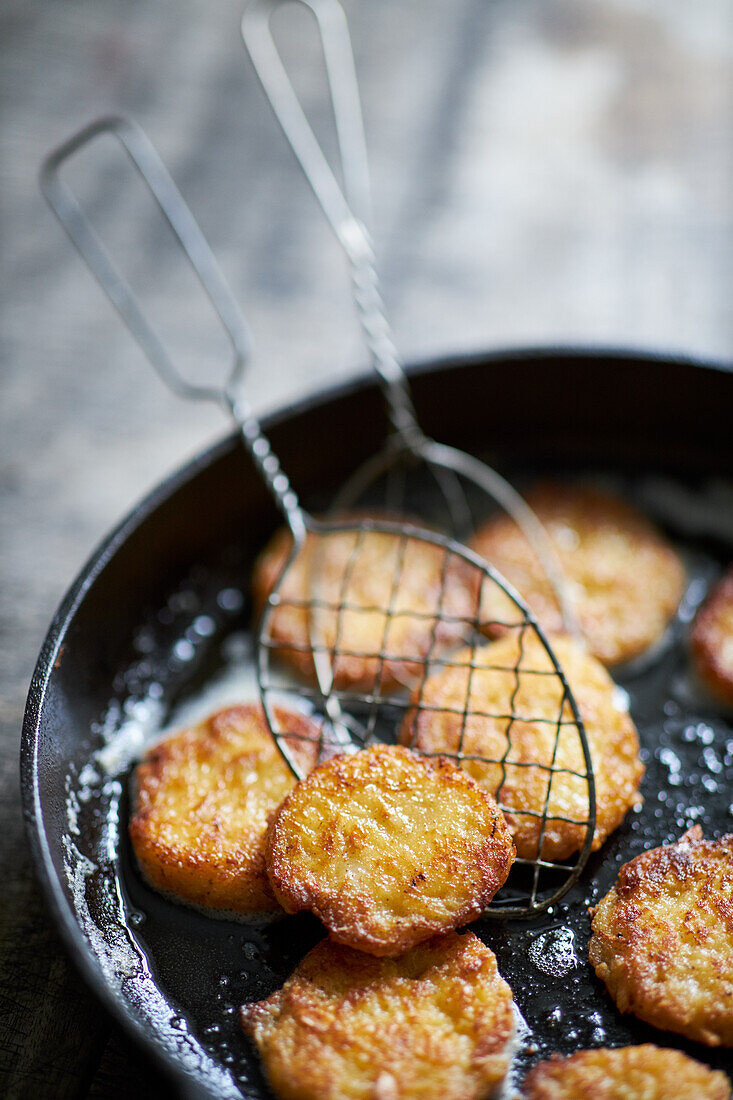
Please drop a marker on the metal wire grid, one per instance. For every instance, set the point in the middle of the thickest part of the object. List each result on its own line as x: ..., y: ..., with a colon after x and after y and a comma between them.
x: 349, y: 719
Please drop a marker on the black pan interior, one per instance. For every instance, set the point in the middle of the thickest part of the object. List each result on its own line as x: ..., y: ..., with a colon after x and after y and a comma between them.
x: 175, y: 977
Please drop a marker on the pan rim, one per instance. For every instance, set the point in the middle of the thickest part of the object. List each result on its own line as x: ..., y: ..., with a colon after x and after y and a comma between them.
x: 78, y: 948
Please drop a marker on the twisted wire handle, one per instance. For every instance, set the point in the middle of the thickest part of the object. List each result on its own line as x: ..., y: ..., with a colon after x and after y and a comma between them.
x: 84, y: 237
x: 347, y: 210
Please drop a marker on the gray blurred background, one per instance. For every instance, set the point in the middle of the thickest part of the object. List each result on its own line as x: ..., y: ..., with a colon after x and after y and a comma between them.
x: 544, y: 171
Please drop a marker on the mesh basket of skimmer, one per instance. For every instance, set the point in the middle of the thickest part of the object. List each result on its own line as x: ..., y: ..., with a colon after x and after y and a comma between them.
x: 381, y: 619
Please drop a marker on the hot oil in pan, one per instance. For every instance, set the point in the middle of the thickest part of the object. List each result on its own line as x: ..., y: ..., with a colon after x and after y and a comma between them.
x: 189, y: 973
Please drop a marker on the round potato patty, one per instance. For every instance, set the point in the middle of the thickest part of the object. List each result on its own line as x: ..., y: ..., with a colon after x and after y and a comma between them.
x: 434, y: 1024
x: 507, y: 733
x: 203, y: 801
x: 626, y: 1073
x: 388, y: 848
x: 663, y: 938
x: 624, y: 579
x: 410, y: 575
x: 711, y: 640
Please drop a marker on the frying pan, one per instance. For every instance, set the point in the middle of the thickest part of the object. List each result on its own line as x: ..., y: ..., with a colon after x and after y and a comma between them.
x: 174, y: 977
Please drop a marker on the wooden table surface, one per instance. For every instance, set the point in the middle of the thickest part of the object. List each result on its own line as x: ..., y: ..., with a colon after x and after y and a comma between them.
x: 545, y: 171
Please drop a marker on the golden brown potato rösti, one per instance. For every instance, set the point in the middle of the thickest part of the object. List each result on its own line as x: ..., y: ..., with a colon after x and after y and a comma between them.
x: 645, y: 1072
x: 388, y: 848
x: 663, y: 938
x: 434, y: 1024
x: 203, y: 801
x: 711, y: 640
x: 534, y: 698
x: 325, y: 568
x: 625, y: 580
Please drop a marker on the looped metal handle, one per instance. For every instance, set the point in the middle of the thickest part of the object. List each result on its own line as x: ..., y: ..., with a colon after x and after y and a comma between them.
x: 147, y: 162
x: 348, y: 211
x: 196, y: 248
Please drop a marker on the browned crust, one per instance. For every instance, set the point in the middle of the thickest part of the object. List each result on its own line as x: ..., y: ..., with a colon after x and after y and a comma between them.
x: 625, y: 579
x: 202, y: 804
x: 346, y: 1025
x: 361, y: 634
x: 626, y: 1073
x: 388, y: 848
x: 520, y: 787
x: 663, y: 938
x: 711, y: 640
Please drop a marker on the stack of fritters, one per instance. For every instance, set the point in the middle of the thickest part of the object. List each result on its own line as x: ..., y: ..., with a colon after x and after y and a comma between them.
x: 393, y: 849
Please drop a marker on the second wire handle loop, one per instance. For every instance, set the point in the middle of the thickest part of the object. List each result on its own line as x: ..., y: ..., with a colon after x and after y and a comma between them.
x: 348, y: 210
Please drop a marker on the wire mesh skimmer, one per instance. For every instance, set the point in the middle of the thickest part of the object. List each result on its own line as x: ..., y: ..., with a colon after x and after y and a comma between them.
x: 457, y: 475
x: 384, y: 619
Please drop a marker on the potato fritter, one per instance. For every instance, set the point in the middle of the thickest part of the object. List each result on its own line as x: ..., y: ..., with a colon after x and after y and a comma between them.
x: 328, y: 567
x: 624, y: 578
x: 627, y: 1073
x: 663, y: 938
x: 711, y: 640
x: 388, y: 848
x: 204, y: 798
x: 513, y: 744
x: 433, y: 1024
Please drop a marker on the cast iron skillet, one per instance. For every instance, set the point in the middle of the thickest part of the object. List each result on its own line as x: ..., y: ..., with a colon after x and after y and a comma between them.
x: 195, y: 537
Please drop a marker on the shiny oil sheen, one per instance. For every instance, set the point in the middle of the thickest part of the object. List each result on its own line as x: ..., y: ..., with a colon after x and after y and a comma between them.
x: 195, y: 970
